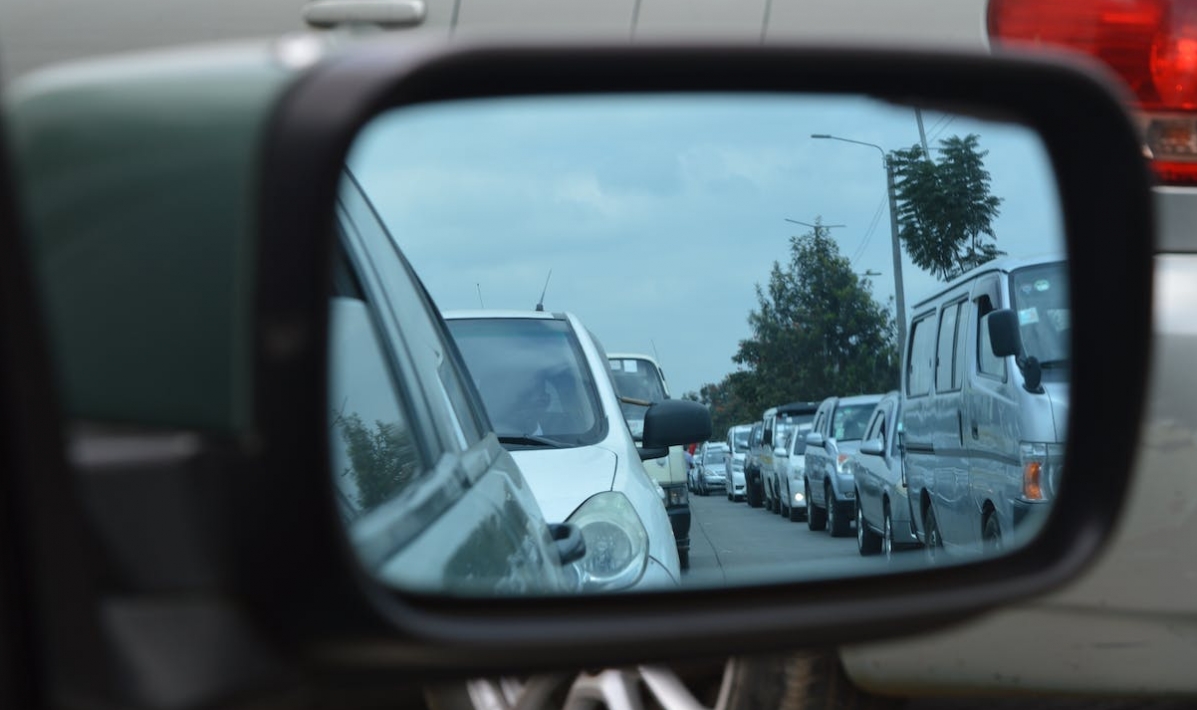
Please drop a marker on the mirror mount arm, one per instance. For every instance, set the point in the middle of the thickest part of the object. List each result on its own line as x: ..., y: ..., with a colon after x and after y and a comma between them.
x: 571, y: 545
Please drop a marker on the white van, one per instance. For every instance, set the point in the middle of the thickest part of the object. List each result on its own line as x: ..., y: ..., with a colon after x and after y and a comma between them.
x: 985, y: 403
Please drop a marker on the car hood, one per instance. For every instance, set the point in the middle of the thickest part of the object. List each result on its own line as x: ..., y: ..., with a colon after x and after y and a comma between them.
x: 561, y: 479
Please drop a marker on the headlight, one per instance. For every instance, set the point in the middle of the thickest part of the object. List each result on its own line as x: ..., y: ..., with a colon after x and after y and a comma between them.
x: 616, y: 542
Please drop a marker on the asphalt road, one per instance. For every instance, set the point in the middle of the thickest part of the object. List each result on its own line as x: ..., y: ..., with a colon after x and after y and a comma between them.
x: 731, y: 543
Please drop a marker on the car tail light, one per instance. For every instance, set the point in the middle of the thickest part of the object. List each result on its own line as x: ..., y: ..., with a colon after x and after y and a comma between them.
x: 1151, y: 44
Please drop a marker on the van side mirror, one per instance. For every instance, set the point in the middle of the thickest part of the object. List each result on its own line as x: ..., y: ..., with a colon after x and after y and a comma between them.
x: 674, y: 422
x: 780, y: 452
x: 814, y: 439
x: 1004, y: 336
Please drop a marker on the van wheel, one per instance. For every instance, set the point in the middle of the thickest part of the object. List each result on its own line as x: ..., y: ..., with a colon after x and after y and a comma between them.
x: 991, y: 535
x: 867, y: 541
x: 838, y: 524
x: 816, y: 517
x: 683, y: 558
x: 933, y: 546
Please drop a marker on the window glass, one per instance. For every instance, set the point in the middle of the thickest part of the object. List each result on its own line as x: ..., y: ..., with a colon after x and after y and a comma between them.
x: 959, y: 358
x: 373, y: 449
x: 1039, y: 295
x: 947, y: 346
x: 405, y: 299
x: 532, y: 376
x: 922, y: 348
x: 988, y: 363
x: 850, y: 421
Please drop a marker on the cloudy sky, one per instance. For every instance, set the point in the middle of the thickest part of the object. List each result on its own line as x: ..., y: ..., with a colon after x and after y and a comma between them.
x: 658, y: 215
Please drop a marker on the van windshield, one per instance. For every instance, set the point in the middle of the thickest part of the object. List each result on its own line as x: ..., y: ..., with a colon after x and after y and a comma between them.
x: 1039, y: 295
x: 636, y: 379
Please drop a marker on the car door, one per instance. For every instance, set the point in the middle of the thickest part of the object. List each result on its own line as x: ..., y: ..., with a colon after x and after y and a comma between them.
x: 430, y: 499
x: 870, y: 469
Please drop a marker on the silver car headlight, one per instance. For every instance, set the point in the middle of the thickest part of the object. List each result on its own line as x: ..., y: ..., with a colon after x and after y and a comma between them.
x: 616, y: 542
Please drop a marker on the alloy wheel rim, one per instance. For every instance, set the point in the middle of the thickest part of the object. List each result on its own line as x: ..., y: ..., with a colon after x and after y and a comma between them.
x: 614, y: 689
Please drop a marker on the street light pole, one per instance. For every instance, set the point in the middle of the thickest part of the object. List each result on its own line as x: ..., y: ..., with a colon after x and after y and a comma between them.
x: 899, y: 291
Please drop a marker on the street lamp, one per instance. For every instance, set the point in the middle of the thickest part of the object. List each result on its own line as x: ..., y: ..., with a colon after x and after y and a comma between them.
x: 899, y: 294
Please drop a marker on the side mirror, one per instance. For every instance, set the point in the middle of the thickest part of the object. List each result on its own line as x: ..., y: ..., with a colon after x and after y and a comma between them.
x: 296, y: 582
x: 674, y: 422
x: 815, y: 439
x: 781, y: 452
x: 873, y: 447
x: 1004, y: 337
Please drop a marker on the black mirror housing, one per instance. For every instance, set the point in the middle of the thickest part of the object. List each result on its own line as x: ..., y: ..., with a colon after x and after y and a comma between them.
x: 1004, y: 336
x: 674, y: 422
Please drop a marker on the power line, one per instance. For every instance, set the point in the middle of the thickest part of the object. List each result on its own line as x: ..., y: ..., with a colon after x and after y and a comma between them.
x: 864, y: 244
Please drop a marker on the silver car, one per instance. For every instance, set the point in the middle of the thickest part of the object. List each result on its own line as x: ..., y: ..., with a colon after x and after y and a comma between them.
x: 883, y: 521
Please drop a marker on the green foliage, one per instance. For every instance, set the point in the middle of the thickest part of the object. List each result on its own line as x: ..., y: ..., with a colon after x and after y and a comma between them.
x: 945, y: 211
x: 817, y: 332
x: 381, y: 461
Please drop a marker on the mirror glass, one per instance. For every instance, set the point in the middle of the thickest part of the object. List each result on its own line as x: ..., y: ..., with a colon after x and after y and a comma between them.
x: 816, y: 271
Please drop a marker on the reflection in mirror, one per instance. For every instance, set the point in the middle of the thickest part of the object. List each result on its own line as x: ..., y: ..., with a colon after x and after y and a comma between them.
x: 803, y: 266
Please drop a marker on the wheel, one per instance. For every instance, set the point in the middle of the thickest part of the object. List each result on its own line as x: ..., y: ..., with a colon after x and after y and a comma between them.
x: 933, y: 543
x: 730, y: 496
x: 813, y: 679
x: 991, y: 535
x: 887, y: 532
x: 867, y: 541
x: 683, y: 558
x: 838, y: 524
x: 753, y: 495
x: 786, y: 503
x: 816, y: 517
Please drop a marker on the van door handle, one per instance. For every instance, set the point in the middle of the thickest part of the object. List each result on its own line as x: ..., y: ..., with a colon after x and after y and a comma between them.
x: 960, y: 425
x: 976, y: 433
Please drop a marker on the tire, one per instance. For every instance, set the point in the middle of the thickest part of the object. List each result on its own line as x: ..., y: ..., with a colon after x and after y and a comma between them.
x: 991, y: 535
x: 683, y: 558
x: 787, y: 501
x: 933, y: 542
x: 867, y: 542
x: 887, y: 533
x: 816, y: 517
x: 812, y: 680
x: 838, y: 524
x: 752, y: 494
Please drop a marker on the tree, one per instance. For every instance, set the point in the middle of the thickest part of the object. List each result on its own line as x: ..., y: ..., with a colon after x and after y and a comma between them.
x: 817, y: 331
x: 944, y: 209
x: 381, y: 461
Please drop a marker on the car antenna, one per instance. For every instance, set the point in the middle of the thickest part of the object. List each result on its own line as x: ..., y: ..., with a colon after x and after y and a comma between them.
x: 656, y: 354
x: 480, y: 303
x: 540, y: 303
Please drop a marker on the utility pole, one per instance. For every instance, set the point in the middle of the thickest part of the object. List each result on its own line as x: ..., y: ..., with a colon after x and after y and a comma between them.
x: 918, y: 116
x: 899, y: 290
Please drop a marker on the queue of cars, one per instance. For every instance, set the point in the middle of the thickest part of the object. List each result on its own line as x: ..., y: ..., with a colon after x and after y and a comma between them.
x: 966, y: 456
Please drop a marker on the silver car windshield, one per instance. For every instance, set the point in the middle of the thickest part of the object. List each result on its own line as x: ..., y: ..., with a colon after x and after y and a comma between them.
x: 533, y: 379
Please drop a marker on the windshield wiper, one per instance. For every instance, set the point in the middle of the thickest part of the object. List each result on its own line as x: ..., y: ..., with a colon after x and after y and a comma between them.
x: 532, y: 440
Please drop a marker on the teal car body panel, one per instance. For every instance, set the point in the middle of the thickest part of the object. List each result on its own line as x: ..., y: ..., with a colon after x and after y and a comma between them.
x: 138, y: 183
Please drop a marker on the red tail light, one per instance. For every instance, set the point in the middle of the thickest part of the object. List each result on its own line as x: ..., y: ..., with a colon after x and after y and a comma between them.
x: 1151, y: 44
